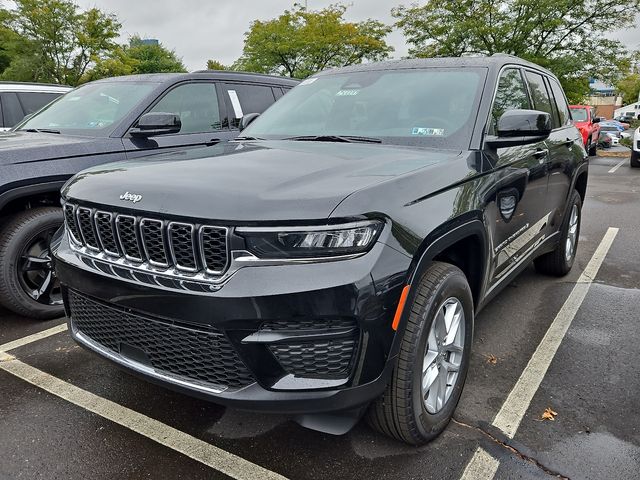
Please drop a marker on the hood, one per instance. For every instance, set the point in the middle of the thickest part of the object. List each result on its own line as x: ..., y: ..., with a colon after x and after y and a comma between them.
x: 262, y: 181
x: 26, y: 147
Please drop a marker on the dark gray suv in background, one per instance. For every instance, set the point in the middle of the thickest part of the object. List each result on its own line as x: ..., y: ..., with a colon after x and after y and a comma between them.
x: 104, y: 121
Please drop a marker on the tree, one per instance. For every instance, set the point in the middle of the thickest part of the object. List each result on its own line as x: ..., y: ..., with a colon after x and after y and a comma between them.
x: 300, y: 42
x: 629, y: 88
x: 566, y: 36
x: 137, y: 57
x: 68, y: 41
x: 216, y: 65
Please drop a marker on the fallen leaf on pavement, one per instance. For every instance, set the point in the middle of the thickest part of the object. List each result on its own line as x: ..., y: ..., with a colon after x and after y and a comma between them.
x: 492, y: 359
x: 548, y: 414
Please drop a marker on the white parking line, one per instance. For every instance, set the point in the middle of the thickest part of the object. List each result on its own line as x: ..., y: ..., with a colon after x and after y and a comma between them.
x: 203, y: 452
x: 21, y: 342
x: 622, y: 162
x: 484, y: 466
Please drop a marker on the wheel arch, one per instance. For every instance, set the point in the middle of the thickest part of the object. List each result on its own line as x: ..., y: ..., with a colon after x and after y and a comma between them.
x: 23, y: 197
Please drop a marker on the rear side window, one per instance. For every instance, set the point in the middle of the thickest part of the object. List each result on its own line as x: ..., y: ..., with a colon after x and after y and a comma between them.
x: 11, y: 109
x: 561, y: 102
x: 540, y: 96
x: 197, y: 105
x: 248, y: 99
x: 34, y: 101
x: 510, y: 95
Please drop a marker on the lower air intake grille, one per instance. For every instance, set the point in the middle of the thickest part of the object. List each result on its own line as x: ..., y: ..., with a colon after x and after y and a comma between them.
x: 196, y: 356
x: 328, y: 359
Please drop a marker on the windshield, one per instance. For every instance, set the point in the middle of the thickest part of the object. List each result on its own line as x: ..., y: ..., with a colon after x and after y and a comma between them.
x: 579, y: 114
x: 424, y: 107
x: 93, y: 110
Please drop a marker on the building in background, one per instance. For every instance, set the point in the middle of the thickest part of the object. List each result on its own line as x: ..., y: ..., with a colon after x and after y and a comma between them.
x: 604, y: 98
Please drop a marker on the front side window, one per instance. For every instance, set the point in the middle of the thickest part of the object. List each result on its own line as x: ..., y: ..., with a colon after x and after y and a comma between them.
x: 246, y: 98
x: 196, y: 104
x: 93, y: 110
x: 539, y: 95
x: 422, y: 107
x: 511, y: 94
x: 34, y: 101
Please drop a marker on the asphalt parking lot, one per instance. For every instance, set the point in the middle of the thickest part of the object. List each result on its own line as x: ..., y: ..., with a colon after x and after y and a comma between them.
x: 66, y: 414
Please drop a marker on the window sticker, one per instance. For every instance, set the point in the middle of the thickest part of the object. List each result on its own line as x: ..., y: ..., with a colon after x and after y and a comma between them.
x: 308, y: 81
x: 235, y: 102
x: 429, y: 132
x: 348, y: 93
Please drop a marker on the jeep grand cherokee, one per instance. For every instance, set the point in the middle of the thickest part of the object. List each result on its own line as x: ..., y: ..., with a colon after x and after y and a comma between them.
x: 330, y: 261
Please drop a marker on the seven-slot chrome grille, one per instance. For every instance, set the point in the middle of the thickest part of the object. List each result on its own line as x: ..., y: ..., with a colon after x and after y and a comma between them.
x: 162, y: 244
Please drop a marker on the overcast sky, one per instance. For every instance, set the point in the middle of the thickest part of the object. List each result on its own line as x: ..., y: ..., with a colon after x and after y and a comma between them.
x: 201, y: 29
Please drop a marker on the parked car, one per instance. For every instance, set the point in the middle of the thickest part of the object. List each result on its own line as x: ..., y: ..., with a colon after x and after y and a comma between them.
x: 104, y: 121
x: 334, y: 255
x: 635, y: 149
x: 19, y: 99
x: 605, y: 140
x: 611, y: 123
x: 585, y: 119
x: 613, y: 132
x: 624, y: 125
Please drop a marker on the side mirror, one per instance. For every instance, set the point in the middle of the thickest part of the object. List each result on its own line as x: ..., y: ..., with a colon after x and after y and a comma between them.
x: 156, y: 123
x: 247, y: 119
x: 596, y: 120
x: 520, y: 127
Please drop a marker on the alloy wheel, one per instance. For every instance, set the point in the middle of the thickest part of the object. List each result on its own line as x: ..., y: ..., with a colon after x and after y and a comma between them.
x: 572, y: 234
x: 443, y: 356
x: 35, y: 270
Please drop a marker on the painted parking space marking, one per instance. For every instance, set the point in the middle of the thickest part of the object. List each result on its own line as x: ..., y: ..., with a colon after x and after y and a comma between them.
x: 622, y: 162
x: 199, y: 450
x: 482, y: 465
x: 21, y: 342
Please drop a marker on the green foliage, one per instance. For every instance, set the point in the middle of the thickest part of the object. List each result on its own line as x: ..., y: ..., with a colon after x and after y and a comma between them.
x: 299, y: 42
x: 565, y: 36
x: 216, y: 65
x: 136, y: 58
x: 629, y: 88
x: 65, y: 41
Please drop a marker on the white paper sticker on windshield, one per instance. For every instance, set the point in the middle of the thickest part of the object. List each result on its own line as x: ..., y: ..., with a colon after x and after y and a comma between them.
x: 431, y: 132
x: 348, y: 93
x: 235, y: 101
x: 308, y: 81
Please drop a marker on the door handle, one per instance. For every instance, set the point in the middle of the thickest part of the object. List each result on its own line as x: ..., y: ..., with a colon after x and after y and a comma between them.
x: 211, y: 142
x: 540, y: 154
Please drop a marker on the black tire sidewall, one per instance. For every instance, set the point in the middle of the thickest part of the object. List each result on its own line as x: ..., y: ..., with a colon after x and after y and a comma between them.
x: 575, y: 200
x: 455, y: 285
x: 18, y: 231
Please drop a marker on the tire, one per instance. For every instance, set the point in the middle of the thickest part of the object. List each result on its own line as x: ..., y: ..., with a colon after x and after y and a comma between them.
x: 402, y: 411
x: 592, y: 149
x: 559, y: 262
x: 635, y: 159
x: 25, y: 264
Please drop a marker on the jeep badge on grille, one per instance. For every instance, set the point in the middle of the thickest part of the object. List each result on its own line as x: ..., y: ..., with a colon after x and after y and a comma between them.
x: 131, y: 197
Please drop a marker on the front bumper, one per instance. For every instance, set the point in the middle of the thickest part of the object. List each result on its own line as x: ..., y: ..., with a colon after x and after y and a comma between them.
x: 290, y: 339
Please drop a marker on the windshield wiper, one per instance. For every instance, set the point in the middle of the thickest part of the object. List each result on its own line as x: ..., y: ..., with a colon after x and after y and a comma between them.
x: 248, y: 138
x: 334, y: 138
x: 40, y: 130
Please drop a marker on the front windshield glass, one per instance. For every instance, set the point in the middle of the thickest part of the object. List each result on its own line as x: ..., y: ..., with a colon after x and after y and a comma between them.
x: 579, y: 114
x: 424, y: 107
x: 92, y: 110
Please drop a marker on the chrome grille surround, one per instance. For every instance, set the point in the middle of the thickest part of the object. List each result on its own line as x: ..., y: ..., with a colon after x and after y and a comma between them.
x: 146, y: 245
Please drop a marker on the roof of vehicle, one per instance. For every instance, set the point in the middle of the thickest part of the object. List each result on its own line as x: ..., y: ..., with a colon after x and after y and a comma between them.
x: 495, y: 61
x: 209, y: 74
x: 580, y: 106
x: 33, y: 87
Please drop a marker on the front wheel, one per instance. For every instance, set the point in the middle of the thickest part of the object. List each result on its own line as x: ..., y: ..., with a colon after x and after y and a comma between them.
x: 432, y: 364
x: 635, y: 159
x: 559, y: 262
x: 592, y: 149
x: 28, y: 284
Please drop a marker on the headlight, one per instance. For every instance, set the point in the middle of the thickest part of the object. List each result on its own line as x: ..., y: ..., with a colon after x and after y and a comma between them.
x: 311, y: 242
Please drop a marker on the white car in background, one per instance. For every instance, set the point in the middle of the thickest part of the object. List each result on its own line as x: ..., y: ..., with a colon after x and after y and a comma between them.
x: 18, y: 99
x: 635, y: 149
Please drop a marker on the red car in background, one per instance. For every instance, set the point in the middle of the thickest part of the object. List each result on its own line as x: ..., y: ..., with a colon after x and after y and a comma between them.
x: 584, y: 117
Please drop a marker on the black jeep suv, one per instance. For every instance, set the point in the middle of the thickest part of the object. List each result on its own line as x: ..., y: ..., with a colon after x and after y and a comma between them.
x: 334, y: 256
x: 104, y: 121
